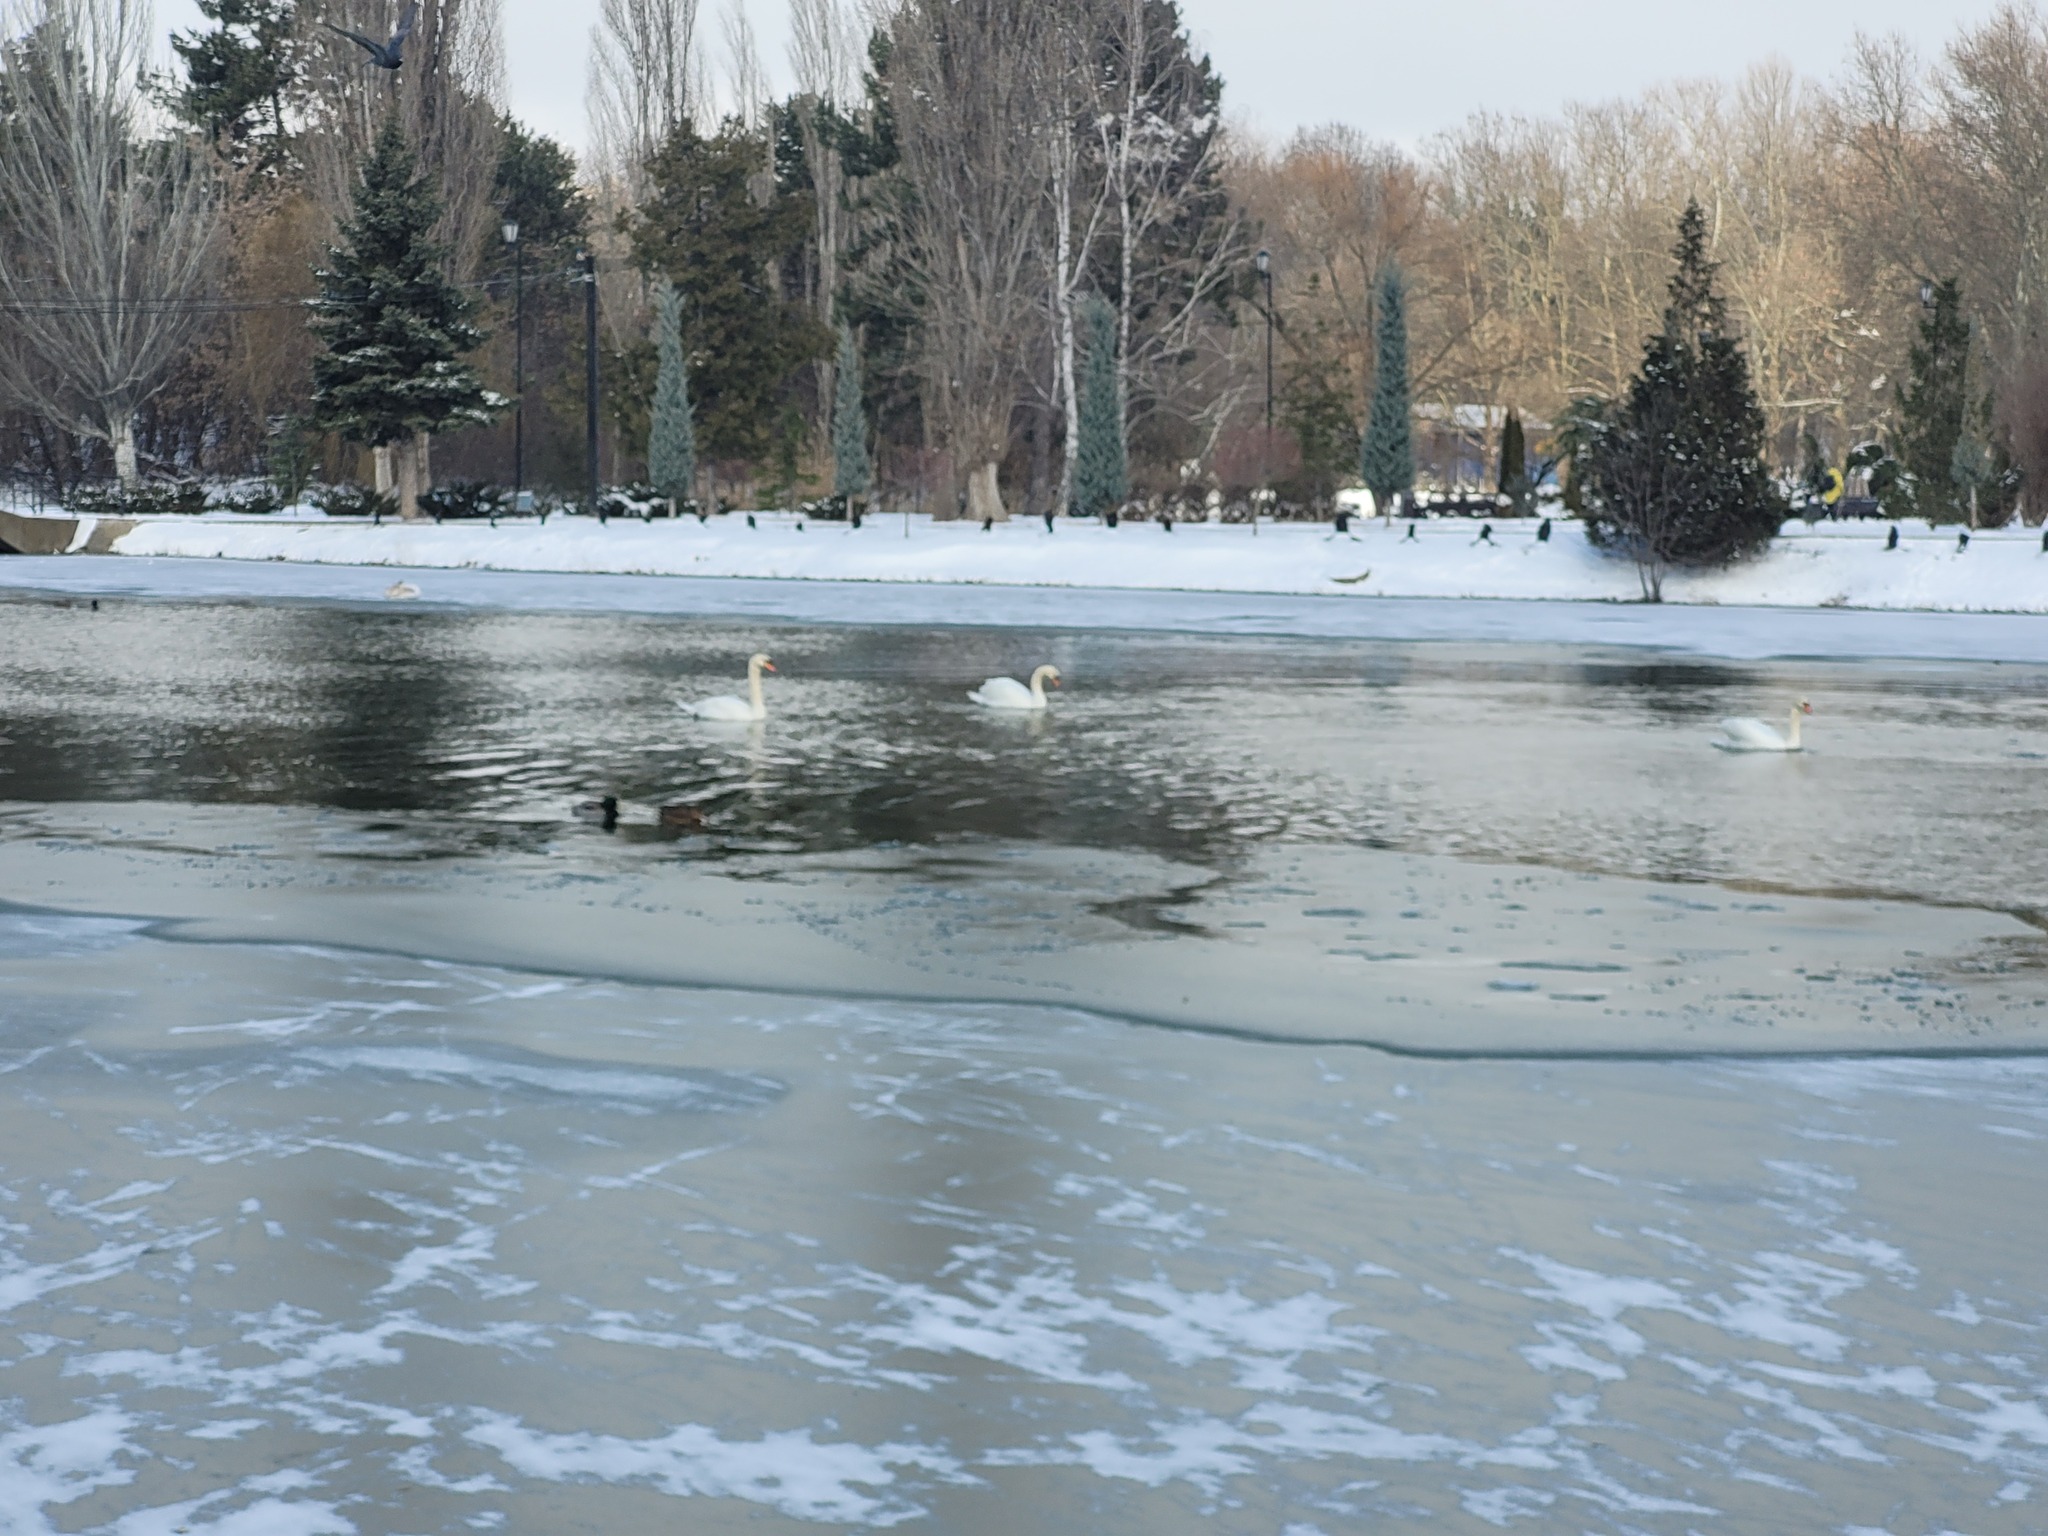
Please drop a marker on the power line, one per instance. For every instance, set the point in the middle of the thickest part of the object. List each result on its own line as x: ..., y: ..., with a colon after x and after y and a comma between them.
x: 97, y: 305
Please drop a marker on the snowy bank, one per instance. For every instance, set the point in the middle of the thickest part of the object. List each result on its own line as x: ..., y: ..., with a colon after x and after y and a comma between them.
x: 1831, y: 566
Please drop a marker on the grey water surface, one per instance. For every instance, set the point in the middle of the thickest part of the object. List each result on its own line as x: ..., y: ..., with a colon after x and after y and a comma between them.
x: 303, y: 1237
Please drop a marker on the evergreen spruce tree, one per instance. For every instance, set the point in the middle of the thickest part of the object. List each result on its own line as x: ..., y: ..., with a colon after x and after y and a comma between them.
x: 1675, y: 472
x: 1101, y: 468
x: 852, y: 475
x: 1387, y: 456
x: 1934, y: 409
x: 395, y: 328
x: 237, y: 76
x: 672, y: 433
x: 1514, y: 463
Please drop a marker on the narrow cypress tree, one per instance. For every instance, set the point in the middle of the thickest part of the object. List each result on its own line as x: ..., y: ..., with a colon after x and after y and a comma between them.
x: 395, y: 328
x: 1101, y: 470
x: 1514, y: 463
x: 852, y: 474
x: 1675, y: 470
x: 1934, y: 408
x: 1387, y: 457
x: 672, y: 431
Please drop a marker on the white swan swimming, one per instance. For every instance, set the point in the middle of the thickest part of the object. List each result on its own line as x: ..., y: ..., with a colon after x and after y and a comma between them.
x: 726, y: 707
x: 1742, y: 734
x: 1008, y: 693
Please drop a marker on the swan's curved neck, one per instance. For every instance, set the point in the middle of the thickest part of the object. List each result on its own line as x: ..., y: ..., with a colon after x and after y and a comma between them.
x: 1038, y: 684
x: 754, y: 688
x: 1792, y: 736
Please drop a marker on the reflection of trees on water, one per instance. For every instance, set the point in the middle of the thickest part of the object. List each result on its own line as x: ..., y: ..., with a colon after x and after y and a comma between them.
x: 1186, y: 747
x: 320, y: 706
x: 388, y: 697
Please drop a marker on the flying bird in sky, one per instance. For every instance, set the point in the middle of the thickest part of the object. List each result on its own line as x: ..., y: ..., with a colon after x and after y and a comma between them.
x: 384, y: 55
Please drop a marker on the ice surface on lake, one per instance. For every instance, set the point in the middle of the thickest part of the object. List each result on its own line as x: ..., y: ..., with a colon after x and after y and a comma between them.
x: 542, y: 1253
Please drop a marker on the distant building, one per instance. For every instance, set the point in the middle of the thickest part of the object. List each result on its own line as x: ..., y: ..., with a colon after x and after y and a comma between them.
x: 1457, y: 447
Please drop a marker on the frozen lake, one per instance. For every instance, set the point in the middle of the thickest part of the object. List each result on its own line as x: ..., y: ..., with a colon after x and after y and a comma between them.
x: 1304, y: 1084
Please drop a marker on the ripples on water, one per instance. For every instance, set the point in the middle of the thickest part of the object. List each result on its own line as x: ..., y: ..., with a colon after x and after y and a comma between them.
x: 1923, y: 781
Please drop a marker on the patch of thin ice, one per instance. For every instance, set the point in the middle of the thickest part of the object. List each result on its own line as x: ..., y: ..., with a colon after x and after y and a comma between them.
x: 59, y: 935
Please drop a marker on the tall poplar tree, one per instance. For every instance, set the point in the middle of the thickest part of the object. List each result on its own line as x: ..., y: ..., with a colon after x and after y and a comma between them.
x: 1387, y: 456
x: 672, y: 431
x: 1101, y: 466
x: 395, y: 328
x: 1515, y: 483
x: 852, y: 474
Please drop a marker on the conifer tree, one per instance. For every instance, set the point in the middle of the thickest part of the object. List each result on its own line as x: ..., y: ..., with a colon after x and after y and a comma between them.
x: 238, y: 75
x: 1674, y: 472
x: 1387, y: 457
x: 1934, y: 409
x: 1514, y: 463
x: 672, y: 431
x: 1101, y: 468
x: 852, y: 474
x: 395, y: 328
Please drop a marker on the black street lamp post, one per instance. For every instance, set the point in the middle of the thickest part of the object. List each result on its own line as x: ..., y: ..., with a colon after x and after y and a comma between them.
x: 511, y: 233
x: 1265, y: 265
x: 589, y: 281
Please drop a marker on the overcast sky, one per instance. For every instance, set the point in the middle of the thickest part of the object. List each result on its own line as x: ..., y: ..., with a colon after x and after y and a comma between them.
x: 1398, y: 72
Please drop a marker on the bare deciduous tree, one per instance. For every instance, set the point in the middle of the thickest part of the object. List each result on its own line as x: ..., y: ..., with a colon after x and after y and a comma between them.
x: 970, y: 123
x: 107, y: 223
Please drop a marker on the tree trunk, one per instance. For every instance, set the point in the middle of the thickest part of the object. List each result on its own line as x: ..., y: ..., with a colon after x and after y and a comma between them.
x: 406, y: 460
x: 985, y: 494
x: 1063, y: 300
x: 126, y: 467
x: 380, y: 469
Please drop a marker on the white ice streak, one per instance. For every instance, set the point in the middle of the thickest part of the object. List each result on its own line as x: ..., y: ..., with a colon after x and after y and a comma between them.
x: 838, y: 1483
x: 1770, y: 1298
x: 1205, y: 1451
x: 265, y: 1517
x: 640, y: 1087
x: 1033, y: 1324
x: 1261, y: 1339
x: 304, y: 1350
x: 1044, y: 1324
x: 60, y: 1463
x: 465, y: 1257
x: 21, y: 1283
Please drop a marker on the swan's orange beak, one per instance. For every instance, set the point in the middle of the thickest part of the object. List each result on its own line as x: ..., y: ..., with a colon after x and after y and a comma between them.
x: 1054, y: 681
x: 767, y: 666
x: 1805, y: 708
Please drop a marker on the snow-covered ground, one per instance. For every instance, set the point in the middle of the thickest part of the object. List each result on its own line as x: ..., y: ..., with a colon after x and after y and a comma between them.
x: 1830, y: 566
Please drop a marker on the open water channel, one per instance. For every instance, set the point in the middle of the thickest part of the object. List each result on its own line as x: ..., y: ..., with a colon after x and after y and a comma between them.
x: 1295, y: 1086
